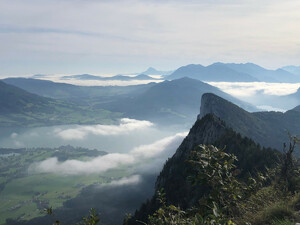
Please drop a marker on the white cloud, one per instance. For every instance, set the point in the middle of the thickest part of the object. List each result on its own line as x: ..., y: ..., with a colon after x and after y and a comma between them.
x: 158, y: 150
x: 158, y: 147
x: 72, y: 167
x: 245, y: 89
x: 270, y: 108
x: 80, y: 132
x: 57, y: 78
x: 108, y: 82
x: 134, y: 179
x: 14, y: 135
x: 112, y: 36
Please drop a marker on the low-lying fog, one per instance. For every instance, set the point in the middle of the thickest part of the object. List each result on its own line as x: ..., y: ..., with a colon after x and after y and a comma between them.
x: 265, y: 96
x: 129, y: 133
x: 129, y: 143
x: 157, y: 152
x: 240, y: 89
x: 136, y: 144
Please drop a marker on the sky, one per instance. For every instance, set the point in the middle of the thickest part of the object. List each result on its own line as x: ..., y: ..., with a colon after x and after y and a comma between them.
x: 118, y: 36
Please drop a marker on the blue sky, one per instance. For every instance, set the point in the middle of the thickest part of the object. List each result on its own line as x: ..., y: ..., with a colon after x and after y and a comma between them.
x: 110, y: 37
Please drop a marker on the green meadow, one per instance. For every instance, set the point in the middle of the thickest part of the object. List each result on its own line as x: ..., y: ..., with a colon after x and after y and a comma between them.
x: 24, y: 195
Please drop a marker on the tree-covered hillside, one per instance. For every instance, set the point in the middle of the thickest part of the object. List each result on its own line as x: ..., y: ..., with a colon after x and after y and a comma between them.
x: 21, y: 108
x: 236, y: 182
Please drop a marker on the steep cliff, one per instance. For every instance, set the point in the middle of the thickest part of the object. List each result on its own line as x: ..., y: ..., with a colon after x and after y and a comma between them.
x: 269, y: 129
x: 174, y: 178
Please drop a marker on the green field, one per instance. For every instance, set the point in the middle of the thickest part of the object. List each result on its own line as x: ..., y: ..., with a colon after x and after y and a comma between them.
x: 61, y: 115
x: 24, y: 195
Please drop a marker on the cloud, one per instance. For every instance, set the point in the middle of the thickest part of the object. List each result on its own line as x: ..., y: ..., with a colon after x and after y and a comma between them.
x: 104, y: 83
x: 157, y: 152
x: 131, y: 180
x: 270, y: 108
x: 113, y: 36
x: 244, y: 89
x: 80, y: 132
x: 73, y: 167
x: 14, y: 135
x: 11, y: 29
x: 158, y: 147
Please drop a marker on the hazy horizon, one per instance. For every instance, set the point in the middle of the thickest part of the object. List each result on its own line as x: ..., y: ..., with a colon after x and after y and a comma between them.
x: 110, y: 37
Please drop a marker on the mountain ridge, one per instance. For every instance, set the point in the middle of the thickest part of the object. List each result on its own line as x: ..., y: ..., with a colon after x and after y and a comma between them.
x: 234, y: 72
x: 215, y: 72
x: 21, y: 108
x: 173, y: 178
x: 173, y: 101
x: 270, y: 129
x: 102, y: 78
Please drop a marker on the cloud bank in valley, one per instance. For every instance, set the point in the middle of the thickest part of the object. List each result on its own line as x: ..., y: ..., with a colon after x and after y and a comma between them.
x: 131, y: 180
x: 80, y: 132
x: 157, y: 151
x: 246, y: 89
x: 57, y: 78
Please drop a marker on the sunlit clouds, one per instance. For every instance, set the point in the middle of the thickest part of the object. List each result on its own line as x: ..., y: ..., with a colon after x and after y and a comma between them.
x: 160, y: 150
x: 131, y: 180
x: 243, y: 89
x: 81, y: 131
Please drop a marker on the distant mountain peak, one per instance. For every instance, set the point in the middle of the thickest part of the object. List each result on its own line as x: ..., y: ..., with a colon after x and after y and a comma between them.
x: 217, y: 63
x: 214, y: 72
x: 211, y: 103
x: 153, y: 71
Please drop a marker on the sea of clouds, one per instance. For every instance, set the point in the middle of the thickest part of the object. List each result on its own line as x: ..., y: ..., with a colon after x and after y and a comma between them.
x: 58, y: 78
x: 242, y: 89
x: 155, y: 153
x: 80, y: 132
x: 115, y: 138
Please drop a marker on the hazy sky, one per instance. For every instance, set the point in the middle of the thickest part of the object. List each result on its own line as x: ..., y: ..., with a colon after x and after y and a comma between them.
x: 114, y: 36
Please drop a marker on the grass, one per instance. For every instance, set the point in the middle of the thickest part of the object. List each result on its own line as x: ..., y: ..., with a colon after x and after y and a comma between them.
x: 61, y: 114
x: 282, y: 222
x: 270, y: 206
x: 51, y: 190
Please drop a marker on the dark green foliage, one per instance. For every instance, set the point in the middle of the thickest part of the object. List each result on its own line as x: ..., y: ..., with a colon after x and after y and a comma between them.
x: 171, y: 214
x: 214, y: 169
x: 252, y: 159
x: 289, y: 170
x: 229, y: 199
x: 91, y: 219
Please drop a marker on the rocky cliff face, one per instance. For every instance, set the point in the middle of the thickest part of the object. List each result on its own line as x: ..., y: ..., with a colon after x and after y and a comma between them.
x: 269, y: 129
x: 173, y: 176
x: 209, y: 129
x: 213, y: 104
